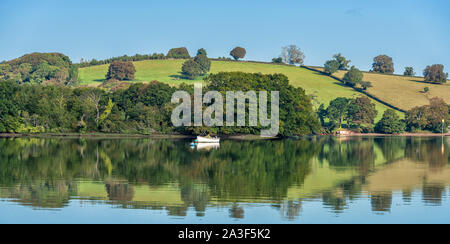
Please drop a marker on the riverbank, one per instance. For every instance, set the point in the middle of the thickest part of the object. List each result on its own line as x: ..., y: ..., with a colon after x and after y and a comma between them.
x: 96, y: 135
x: 121, y: 136
x: 180, y: 136
x: 406, y: 134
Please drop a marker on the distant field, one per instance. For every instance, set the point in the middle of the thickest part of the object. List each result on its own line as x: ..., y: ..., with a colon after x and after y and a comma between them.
x: 402, y: 91
x: 324, y: 87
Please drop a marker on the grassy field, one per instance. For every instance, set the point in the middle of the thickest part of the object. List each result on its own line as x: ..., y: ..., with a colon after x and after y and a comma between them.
x: 402, y: 91
x: 323, y: 87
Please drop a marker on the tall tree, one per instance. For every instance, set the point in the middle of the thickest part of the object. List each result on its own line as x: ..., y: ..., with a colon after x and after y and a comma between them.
x: 204, y: 62
x: 178, y: 53
x: 331, y: 66
x: 353, y: 77
x: 337, y: 111
x: 119, y: 70
x: 191, y: 69
x: 362, y: 111
x: 383, y: 64
x: 343, y: 62
x: 292, y: 55
x: 435, y: 73
x: 390, y: 123
x: 238, y: 53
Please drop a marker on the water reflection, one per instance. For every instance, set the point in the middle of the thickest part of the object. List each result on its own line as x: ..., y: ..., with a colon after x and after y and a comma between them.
x: 167, y: 175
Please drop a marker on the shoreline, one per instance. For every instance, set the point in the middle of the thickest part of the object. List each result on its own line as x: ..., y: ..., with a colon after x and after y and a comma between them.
x: 229, y: 137
x: 393, y: 135
x: 94, y: 135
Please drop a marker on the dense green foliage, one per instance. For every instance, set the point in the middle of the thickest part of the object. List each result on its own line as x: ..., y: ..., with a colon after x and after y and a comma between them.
x: 278, y: 60
x: 141, y: 108
x: 198, y: 66
x: 433, y: 117
x: 138, y: 57
x: 296, y: 112
x: 204, y: 62
x: 191, y: 69
x: 238, y: 53
x: 119, y: 70
x: 40, y: 68
x: 178, y: 53
x: 435, y: 73
x: 361, y: 111
x: 8, y: 108
x: 331, y: 66
x: 338, y: 110
x: 35, y: 108
x: 390, y: 123
x: 358, y: 113
x: 383, y: 64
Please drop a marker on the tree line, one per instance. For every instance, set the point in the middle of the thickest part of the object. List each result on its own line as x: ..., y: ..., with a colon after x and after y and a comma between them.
x: 141, y: 108
x: 359, y: 114
x: 382, y: 64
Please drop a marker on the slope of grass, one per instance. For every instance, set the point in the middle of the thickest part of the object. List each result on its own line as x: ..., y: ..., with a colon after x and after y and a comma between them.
x: 321, y: 86
x: 402, y: 91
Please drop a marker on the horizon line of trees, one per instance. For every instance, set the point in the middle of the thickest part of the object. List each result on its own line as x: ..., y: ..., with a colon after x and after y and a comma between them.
x: 359, y: 114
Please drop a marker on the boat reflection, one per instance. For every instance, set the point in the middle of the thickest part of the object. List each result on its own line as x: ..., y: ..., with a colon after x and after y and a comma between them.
x: 207, y: 146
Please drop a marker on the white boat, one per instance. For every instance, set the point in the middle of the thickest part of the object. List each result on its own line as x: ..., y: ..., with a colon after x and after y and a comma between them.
x: 201, y: 139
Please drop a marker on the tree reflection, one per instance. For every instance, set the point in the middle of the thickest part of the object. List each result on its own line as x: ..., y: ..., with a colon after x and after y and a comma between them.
x: 381, y: 201
x: 432, y: 194
x: 236, y: 212
x: 119, y: 192
x: 46, y: 172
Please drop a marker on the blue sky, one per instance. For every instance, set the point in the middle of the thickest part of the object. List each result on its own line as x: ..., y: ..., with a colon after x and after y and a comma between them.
x: 415, y: 33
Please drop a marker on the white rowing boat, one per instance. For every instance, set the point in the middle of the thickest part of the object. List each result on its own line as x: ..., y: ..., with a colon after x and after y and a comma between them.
x: 201, y: 139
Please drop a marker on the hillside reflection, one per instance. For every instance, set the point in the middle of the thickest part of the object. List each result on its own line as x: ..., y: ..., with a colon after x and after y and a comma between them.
x: 168, y: 175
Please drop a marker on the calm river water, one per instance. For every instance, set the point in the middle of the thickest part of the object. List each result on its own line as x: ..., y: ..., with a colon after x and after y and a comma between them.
x: 317, y: 180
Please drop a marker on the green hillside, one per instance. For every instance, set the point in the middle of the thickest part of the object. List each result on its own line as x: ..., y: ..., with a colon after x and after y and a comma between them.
x: 323, y: 87
x: 405, y: 92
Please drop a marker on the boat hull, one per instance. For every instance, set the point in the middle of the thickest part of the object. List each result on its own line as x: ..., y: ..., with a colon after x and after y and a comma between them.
x: 207, y: 140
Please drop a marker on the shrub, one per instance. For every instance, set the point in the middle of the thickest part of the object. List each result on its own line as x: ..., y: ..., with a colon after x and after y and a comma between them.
x: 204, y: 62
x: 383, y: 64
x: 278, y: 60
x: 435, y: 73
x: 409, y: 71
x: 119, y: 70
x: 178, y: 53
x: 238, y: 53
x: 191, y: 69
x: 365, y: 84
x: 353, y: 77
x: 428, y: 117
